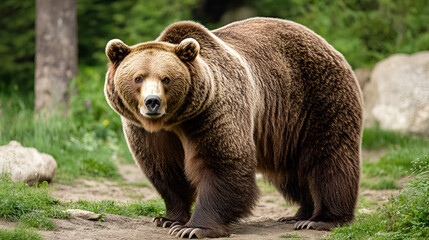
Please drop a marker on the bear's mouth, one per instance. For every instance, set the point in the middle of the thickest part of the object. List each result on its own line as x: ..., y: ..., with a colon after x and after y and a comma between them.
x: 152, y: 115
x: 149, y: 114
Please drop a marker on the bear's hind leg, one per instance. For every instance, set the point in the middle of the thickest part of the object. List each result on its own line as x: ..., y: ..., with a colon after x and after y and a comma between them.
x: 298, y: 193
x: 334, y: 194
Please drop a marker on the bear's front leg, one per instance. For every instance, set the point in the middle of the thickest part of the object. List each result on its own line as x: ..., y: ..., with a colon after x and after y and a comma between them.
x: 223, y: 172
x: 160, y: 156
x: 223, y: 198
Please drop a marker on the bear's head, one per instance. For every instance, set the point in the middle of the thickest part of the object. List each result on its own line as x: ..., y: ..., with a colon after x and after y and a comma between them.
x: 151, y: 80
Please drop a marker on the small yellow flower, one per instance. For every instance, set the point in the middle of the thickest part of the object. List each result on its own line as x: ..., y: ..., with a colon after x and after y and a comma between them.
x: 106, y: 122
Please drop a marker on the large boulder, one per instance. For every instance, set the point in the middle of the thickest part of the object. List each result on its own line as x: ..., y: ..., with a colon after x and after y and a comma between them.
x: 26, y: 164
x: 397, y: 95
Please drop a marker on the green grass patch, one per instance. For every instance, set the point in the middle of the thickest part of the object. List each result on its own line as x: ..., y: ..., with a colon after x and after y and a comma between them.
x: 363, y: 202
x: 29, y: 206
x: 34, y: 207
x: 151, y: 208
x: 402, y: 217
x: 19, y: 234
x: 376, y: 138
x: 17, y: 199
x: 37, y: 220
x: 379, y: 183
x: 397, y: 163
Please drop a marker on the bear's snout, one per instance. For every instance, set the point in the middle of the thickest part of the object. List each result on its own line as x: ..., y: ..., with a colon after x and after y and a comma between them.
x: 152, y: 103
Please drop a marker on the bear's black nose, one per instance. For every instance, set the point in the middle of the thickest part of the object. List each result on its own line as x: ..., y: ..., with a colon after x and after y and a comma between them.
x: 152, y: 103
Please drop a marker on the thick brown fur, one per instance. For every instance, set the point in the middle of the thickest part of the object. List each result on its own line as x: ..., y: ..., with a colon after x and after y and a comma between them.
x: 262, y: 95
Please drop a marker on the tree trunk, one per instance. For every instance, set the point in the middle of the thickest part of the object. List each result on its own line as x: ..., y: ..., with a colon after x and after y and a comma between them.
x: 56, y: 54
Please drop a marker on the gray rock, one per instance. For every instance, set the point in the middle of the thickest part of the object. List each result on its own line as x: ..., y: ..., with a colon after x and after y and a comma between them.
x: 26, y: 164
x: 399, y: 88
x: 83, y: 214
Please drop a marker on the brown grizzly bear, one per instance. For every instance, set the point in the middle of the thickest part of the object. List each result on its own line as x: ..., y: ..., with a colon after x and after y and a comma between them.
x: 204, y: 110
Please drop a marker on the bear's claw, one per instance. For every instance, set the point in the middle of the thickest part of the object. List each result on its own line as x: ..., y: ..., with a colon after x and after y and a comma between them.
x: 325, y: 226
x: 174, y: 229
x: 175, y: 223
x: 167, y: 224
x: 303, y: 224
x: 288, y: 219
x: 164, y: 222
x: 183, y: 232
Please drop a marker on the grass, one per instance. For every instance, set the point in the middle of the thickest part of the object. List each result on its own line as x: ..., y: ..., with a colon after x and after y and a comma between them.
x: 397, y: 163
x: 18, y: 200
x: 364, y: 203
x: 151, y: 208
x: 19, y: 234
x: 375, y: 138
x: 402, y: 217
x: 34, y: 207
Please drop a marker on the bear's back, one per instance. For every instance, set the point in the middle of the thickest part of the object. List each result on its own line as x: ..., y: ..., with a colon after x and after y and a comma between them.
x: 304, y: 84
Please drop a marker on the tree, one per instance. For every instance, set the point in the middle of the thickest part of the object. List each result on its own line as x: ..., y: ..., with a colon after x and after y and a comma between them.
x: 56, y: 53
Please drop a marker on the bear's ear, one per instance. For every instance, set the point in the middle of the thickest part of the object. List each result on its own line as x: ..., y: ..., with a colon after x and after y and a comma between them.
x: 116, y: 50
x: 188, y: 49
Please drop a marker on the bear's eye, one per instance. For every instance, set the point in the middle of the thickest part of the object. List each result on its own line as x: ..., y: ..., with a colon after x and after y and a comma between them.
x: 165, y: 80
x: 138, y: 80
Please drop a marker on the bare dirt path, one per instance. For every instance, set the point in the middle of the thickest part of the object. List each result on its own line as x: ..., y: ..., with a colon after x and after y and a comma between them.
x: 262, y: 225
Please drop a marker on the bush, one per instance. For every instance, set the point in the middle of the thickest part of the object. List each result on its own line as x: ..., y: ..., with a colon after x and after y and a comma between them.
x: 364, y: 31
x: 17, y: 45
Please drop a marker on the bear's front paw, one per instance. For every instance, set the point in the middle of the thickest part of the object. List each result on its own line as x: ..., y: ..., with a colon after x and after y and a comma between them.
x: 323, y: 226
x: 289, y: 219
x: 165, y: 222
x: 192, y: 232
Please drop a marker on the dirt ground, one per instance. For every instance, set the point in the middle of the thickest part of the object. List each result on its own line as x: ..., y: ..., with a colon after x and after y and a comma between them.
x: 261, y: 225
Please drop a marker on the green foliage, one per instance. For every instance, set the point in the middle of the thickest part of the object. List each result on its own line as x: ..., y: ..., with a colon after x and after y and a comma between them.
x: 131, y: 21
x: 76, y: 148
x: 19, y: 234
x: 17, y: 45
x: 89, y: 110
x: 98, y: 22
x: 364, y: 31
x: 405, y: 216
